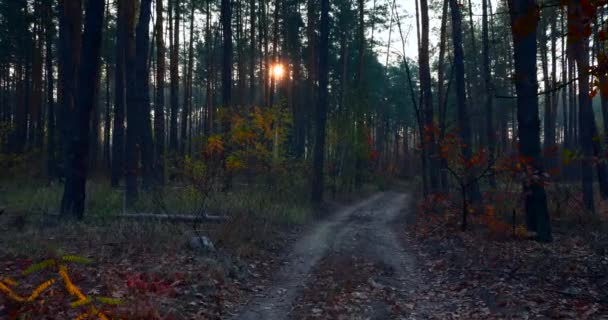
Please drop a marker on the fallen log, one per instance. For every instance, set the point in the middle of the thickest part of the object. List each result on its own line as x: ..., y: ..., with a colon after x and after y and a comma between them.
x: 175, y: 217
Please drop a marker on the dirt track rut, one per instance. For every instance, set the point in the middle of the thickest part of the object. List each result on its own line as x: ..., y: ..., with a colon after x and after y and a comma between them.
x: 360, y: 232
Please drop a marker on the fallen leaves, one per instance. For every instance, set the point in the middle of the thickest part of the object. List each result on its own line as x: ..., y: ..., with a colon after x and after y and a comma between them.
x: 468, y: 276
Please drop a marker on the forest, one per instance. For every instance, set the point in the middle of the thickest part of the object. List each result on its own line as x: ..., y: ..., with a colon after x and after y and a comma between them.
x: 303, y: 159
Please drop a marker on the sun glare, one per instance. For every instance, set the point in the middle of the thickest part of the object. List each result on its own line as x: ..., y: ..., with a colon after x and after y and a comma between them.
x: 278, y: 71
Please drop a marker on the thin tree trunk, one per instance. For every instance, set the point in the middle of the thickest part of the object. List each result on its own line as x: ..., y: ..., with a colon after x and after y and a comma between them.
x: 427, y: 97
x: 51, y: 135
x: 252, y: 53
x: 107, y: 118
x: 186, y: 110
x: 226, y: 17
x: 118, y: 133
x: 133, y: 121
x: 159, y: 103
x: 142, y: 94
x: 173, y: 140
x: 487, y: 75
x: 441, y: 94
x: 321, y: 110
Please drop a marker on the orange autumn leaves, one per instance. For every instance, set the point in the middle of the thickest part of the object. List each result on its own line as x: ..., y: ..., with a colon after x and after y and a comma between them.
x: 59, y: 266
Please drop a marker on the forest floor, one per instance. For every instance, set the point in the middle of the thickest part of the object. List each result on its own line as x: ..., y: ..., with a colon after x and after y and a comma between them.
x: 365, y: 260
x: 371, y: 261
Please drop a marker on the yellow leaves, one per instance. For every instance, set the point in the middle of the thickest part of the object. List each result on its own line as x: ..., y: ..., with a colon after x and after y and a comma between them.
x: 195, y: 170
x: 9, y: 282
x: 80, y: 303
x: 73, y: 290
x: 521, y: 231
x: 110, y: 301
x: 234, y: 163
x: 38, y: 266
x: 76, y: 259
x: 568, y: 156
x: 215, y: 145
x: 43, y: 286
x: 12, y: 295
x: 35, y: 294
x: 243, y: 136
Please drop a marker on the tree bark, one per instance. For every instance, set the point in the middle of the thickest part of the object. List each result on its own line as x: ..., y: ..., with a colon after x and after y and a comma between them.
x: 159, y: 103
x: 321, y: 110
x: 118, y: 133
x: 51, y: 134
x: 133, y: 123
x: 142, y: 93
x: 226, y: 17
x: 76, y: 170
x: 441, y: 92
x: 463, y: 114
x: 188, y: 88
x: 173, y: 140
x: 427, y: 97
x: 523, y: 13
x: 578, y: 50
x: 487, y: 75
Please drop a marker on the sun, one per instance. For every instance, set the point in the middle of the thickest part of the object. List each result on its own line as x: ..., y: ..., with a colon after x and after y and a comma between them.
x: 277, y: 71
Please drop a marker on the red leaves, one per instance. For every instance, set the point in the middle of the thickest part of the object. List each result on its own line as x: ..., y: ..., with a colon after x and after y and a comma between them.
x: 593, y: 93
x: 143, y: 283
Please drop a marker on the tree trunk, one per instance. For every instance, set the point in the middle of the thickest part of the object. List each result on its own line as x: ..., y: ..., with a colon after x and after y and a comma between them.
x: 549, y: 140
x: 524, y: 45
x: 441, y: 92
x: 118, y: 133
x: 463, y: 114
x: 208, y: 81
x: 76, y: 170
x: 578, y: 50
x: 252, y: 53
x: 70, y: 46
x: 107, y: 118
x: 226, y: 17
x: 159, y: 103
x: 51, y: 135
x: 321, y: 110
x: 188, y: 87
x: 142, y: 93
x: 133, y: 121
x: 173, y: 140
x: 427, y: 97
x: 487, y: 75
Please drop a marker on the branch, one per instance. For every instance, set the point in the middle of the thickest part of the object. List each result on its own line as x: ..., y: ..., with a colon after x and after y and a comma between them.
x: 174, y: 217
x: 563, y: 85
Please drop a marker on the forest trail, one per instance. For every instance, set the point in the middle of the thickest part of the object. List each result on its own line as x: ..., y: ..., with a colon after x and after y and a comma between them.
x: 356, y: 238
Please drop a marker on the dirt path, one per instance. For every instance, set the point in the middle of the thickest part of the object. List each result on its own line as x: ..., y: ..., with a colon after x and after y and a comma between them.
x: 354, y: 250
